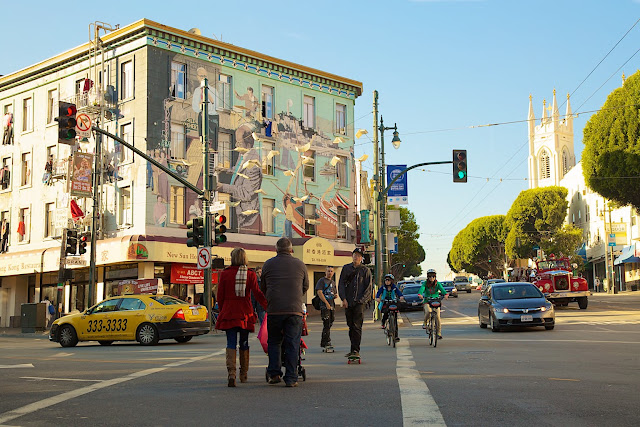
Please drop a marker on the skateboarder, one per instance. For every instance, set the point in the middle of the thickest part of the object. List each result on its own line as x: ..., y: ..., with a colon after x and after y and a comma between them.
x: 326, y: 291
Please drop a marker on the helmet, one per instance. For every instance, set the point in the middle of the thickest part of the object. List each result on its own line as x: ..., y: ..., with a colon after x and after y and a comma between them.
x: 389, y: 276
x: 431, y: 271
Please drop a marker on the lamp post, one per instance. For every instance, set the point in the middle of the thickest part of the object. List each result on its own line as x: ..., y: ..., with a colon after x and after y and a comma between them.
x: 380, y: 217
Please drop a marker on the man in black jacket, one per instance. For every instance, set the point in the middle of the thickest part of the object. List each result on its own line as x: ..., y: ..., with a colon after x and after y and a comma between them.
x: 284, y: 282
x: 354, y: 289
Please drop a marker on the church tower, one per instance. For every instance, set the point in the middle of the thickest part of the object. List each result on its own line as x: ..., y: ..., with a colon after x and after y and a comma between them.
x: 551, y: 153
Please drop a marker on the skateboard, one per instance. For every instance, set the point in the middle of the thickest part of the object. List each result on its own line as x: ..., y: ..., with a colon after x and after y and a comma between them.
x: 354, y: 359
x: 328, y: 349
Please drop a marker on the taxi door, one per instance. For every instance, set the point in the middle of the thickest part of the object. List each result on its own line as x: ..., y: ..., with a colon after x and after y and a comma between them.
x: 96, y: 325
x: 130, y: 315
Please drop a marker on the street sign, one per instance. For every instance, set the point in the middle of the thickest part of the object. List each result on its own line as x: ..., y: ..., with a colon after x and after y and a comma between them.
x: 83, y: 125
x: 398, y: 193
x: 204, y: 258
x: 217, y: 206
x: 612, y: 239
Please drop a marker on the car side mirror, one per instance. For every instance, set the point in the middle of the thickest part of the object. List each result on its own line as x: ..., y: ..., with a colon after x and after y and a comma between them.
x: 484, y: 298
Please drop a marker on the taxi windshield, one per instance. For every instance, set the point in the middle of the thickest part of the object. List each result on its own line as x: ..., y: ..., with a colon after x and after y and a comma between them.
x: 167, y: 300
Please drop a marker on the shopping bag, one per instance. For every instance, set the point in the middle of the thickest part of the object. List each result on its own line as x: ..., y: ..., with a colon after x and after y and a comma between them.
x: 263, y: 335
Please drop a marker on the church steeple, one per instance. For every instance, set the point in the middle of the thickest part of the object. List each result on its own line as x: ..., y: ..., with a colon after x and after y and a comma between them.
x: 554, y: 110
x: 532, y: 118
x: 544, y: 111
x: 569, y: 115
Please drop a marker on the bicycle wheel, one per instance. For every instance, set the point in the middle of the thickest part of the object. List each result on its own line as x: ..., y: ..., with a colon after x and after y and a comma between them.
x: 394, y: 329
x: 435, y: 331
x: 430, y: 330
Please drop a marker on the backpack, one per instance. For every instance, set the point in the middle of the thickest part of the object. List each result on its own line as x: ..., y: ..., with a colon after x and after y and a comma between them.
x: 52, y: 309
x: 316, y: 301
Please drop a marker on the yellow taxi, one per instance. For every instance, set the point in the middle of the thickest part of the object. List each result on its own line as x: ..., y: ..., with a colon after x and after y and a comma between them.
x: 143, y: 318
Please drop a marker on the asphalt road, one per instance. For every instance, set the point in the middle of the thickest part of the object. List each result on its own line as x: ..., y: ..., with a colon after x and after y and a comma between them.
x: 585, y: 372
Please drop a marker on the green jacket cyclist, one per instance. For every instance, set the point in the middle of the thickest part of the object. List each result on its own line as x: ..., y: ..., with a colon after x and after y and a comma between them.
x: 431, y: 288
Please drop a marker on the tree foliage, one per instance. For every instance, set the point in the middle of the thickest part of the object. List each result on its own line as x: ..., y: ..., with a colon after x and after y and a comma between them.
x: 611, y: 157
x: 479, y: 247
x: 410, y: 253
x: 564, y: 241
x: 534, y: 219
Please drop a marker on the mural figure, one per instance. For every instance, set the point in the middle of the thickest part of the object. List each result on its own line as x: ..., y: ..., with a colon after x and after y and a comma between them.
x: 245, y: 181
x: 198, y: 93
x: 250, y: 101
x: 160, y: 212
x: 195, y: 210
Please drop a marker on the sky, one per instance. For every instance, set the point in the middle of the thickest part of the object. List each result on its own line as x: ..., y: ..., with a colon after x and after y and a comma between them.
x: 441, y: 68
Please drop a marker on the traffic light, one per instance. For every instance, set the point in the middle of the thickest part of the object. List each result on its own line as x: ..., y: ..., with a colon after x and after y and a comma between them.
x: 66, y: 122
x: 219, y: 229
x: 459, y: 165
x: 71, y: 247
x: 195, y: 234
x: 82, y: 243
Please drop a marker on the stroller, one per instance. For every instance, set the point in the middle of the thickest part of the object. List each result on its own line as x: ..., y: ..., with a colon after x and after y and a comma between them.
x: 262, y: 337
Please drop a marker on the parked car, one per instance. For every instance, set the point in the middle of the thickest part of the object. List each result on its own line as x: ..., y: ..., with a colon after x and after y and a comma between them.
x: 450, y: 288
x: 490, y: 282
x: 462, y: 284
x: 411, y: 299
x: 506, y: 304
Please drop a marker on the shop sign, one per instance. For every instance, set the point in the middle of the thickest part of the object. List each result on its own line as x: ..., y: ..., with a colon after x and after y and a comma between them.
x: 619, y: 229
x: 140, y: 286
x: 317, y: 251
x: 188, y: 274
x: 137, y: 251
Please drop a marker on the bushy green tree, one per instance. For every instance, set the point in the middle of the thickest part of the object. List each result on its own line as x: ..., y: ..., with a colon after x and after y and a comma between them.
x: 479, y: 247
x: 611, y: 156
x: 410, y: 253
x: 564, y: 241
x: 534, y: 219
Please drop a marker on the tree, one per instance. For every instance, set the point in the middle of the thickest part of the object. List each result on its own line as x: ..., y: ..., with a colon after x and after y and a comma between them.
x: 534, y: 219
x: 410, y: 253
x: 565, y: 241
x: 479, y: 247
x: 611, y: 156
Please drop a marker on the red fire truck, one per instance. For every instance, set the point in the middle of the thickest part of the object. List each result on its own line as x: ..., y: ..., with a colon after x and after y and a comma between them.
x: 555, y: 279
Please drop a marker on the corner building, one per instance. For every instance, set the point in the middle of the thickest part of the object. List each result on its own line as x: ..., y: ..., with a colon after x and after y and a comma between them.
x: 282, y: 134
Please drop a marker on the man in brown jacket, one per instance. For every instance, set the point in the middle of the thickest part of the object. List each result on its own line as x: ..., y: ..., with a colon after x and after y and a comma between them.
x: 284, y: 283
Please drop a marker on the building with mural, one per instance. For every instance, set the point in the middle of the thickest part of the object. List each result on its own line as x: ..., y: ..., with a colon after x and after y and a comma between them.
x: 283, y: 139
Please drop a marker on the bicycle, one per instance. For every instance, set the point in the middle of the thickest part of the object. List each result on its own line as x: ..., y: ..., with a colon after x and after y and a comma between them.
x: 432, y: 321
x: 391, y: 328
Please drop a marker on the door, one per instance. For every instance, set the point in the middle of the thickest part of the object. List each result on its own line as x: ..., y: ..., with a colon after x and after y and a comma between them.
x: 97, y: 324
x: 130, y: 314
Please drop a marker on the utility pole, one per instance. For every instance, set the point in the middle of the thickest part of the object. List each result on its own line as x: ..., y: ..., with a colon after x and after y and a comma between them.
x: 204, y: 138
x: 376, y: 193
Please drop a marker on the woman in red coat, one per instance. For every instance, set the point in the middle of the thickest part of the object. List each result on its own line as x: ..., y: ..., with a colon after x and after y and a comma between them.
x: 236, y: 312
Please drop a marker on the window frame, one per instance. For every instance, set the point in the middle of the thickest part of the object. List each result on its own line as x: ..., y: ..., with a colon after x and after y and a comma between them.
x: 183, y: 152
x: 342, y: 166
x: 267, y: 106
x: 224, y: 90
x: 26, y: 178
x: 126, y: 155
x: 312, y: 166
x: 268, y: 205
x: 10, y: 165
x: 175, y: 74
x: 52, y: 105
x: 308, y: 113
x: 174, y: 209
x: 268, y: 166
x: 49, y: 217
x: 127, y: 80
x: 6, y: 215
x: 341, y: 231
x: 309, y: 229
x: 224, y: 157
x: 27, y: 114
x: 340, y: 120
x: 27, y: 224
x: 123, y: 203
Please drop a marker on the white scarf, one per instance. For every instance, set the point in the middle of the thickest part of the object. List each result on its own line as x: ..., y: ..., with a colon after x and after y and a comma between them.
x: 241, y: 280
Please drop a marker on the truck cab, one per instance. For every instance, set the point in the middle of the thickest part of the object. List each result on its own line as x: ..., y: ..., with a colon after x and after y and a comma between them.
x: 554, y: 278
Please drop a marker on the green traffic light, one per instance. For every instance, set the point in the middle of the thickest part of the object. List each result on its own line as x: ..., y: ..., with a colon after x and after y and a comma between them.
x: 461, y: 174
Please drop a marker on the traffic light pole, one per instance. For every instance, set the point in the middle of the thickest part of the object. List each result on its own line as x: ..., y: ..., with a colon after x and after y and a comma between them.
x: 204, y: 139
x: 384, y: 192
x: 97, y: 171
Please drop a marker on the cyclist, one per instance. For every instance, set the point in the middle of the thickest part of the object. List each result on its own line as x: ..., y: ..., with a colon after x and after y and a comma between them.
x: 388, y: 292
x: 431, y: 288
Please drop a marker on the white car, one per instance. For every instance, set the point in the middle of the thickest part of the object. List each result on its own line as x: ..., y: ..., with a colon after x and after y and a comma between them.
x: 462, y: 284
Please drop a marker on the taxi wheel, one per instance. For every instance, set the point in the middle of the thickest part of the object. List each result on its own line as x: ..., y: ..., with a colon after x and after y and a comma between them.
x: 105, y: 342
x: 147, y: 334
x: 68, y: 337
x: 183, y: 339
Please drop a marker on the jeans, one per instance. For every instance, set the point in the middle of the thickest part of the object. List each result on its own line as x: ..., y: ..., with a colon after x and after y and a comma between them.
x: 232, y: 338
x: 355, y: 316
x: 284, y: 331
x: 427, y: 311
x: 328, y: 316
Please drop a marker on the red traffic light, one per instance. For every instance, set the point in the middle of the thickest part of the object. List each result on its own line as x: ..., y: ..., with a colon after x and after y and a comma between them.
x: 71, y: 110
x: 220, y: 219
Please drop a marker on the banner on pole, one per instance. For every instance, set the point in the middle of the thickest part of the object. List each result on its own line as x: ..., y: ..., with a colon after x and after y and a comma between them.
x: 398, y: 193
x: 81, y: 172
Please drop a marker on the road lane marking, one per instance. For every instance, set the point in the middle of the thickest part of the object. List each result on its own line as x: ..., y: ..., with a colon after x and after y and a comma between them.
x: 462, y: 315
x: 559, y: 341
x: 23, y: 365
x: 418, y: 406
x: 564, y: 379
x: 59, y: 379
x: 54, y: 400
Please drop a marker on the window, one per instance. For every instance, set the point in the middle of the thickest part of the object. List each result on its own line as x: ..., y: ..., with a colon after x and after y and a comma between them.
x: 545, y: 168
x: 104, y: 77
x: 126, y: 133
x: 7, y: 109
x: 131, y: 304
x: 49, y: 214
x: 79, y: 86
x: 177, y: 205
x: 24, y: 224
x: 5, y: 238
x: 179, y: 80
x: 224, y: 92
x: 177, y: 149
x: 341, y: 172
x: 267, y: 102
x: 26, y: 169
x: 309, y: 112
x: 565, y: 162
x: 125, y: 217
x: 342, y: 218
x: 267, y: 215
x: 309, y: 165
x: 309, y: 214
x: 268, y: 163
x: 341, y: 119
x: 126, y: 80
x: 52, y: 105
x: 224, y: 151
x: 27, y: 115
x: 5, y: 174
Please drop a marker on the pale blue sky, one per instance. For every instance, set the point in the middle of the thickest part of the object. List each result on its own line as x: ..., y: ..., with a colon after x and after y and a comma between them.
x: 437, y: 64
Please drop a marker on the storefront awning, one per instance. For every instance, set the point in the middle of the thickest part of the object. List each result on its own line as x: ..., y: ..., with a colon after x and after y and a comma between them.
x: 628, y: 255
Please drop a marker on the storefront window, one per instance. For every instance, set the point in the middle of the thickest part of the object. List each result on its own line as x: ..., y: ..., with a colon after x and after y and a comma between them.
x: 114, y: 273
